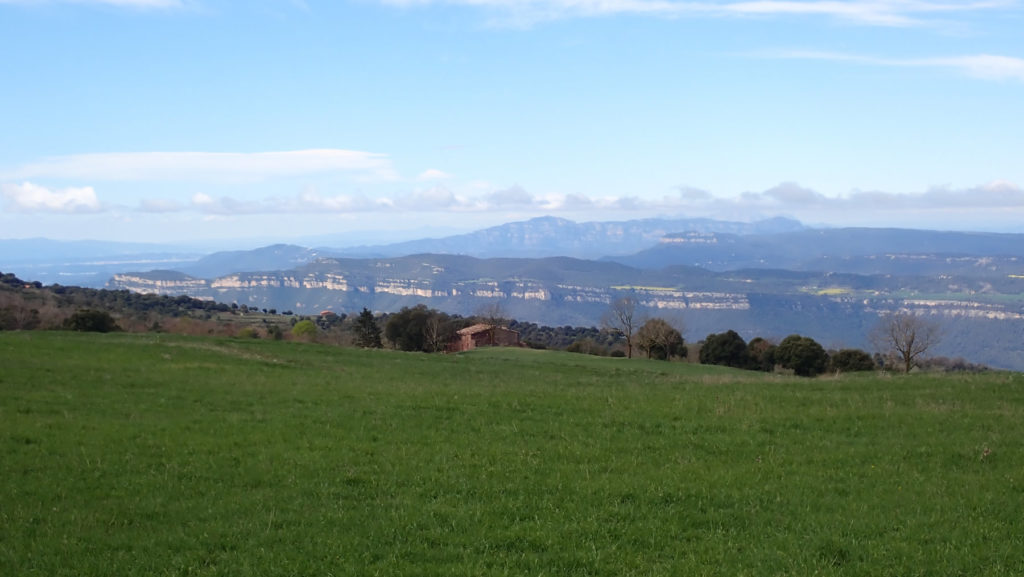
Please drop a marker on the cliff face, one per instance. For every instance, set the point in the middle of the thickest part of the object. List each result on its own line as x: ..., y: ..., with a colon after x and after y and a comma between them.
x: 268, y: 289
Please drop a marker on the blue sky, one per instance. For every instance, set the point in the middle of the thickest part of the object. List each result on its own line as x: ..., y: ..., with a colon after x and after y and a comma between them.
x: 171, y: 120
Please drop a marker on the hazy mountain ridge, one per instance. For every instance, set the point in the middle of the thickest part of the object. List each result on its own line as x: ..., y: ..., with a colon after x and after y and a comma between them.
x: 551, y: 236
x: 857, y: 250
x: 273, y: 257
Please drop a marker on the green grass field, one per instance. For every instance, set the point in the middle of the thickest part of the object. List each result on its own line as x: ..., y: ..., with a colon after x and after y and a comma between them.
x: 163, y: 455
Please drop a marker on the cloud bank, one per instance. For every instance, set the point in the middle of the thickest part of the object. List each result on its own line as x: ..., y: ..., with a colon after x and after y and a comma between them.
x: 207, y: 166
x: 996, y: 206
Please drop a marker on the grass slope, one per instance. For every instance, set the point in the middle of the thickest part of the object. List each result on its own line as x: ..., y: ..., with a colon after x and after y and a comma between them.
x: 162, y: 455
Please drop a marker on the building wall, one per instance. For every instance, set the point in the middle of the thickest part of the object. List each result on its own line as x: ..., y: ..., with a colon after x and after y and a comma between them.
x: 502, y: 337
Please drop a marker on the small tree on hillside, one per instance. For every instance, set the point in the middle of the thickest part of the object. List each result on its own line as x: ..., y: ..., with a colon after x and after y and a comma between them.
x: 660, y: 340
x: 621, y: 318
x: 762, y: 354
x: 726, y: 348
x: 906, y: 336
x: 803, y: 355
x: 367, y: 331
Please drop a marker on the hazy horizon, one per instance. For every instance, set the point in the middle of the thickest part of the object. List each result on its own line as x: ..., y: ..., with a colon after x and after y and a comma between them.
x: 208, y: 121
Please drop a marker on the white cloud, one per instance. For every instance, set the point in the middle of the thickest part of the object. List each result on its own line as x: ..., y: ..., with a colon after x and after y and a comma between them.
x: 29, y: 197
x: 982, y: 66
x: 871, y: 12
x: 987, y: 66
x: 515, y: 196
x: 218, y: 166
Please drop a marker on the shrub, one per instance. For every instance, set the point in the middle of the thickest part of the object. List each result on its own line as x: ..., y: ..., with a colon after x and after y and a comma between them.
x: 727, y: 349
x: 91, y: 321
x: 587, y: 346
x: 304, y: 329
x: 852, y: 360
x: 801, y: 354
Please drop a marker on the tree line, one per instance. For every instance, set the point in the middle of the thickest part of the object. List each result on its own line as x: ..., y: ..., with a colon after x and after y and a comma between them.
x: 901, y: 340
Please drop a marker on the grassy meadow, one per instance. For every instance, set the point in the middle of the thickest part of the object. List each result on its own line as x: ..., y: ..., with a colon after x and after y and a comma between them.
x: 169, y: 455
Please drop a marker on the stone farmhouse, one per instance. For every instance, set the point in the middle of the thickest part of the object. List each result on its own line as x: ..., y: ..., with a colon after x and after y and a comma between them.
x: 483, y: 335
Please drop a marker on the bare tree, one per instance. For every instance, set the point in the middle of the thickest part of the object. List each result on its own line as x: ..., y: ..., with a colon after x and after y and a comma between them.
x: 621, y: 317
x: 433, y: 338
x: 906, y: 336
x: 492, y: 314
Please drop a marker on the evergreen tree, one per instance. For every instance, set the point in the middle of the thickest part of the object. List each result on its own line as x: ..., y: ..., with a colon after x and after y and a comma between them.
x: 367, y: 331
x: 803, y: 355
x: 727, y: 349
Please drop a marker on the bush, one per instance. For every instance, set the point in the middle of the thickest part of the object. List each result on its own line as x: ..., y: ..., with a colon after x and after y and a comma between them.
x: 727, y: 349
x: 801, y: 354
x: 91, y: 321
x: 587, y: 346
x: 304, y: 329
x: 851, y: 361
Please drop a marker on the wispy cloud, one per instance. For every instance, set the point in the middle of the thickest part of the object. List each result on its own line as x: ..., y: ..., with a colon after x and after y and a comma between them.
x: 987, y: 66
x: 29, y: 197
x: 871, y: 12
x: 784, y: 199
x: 215, y: 166
x: 998, y: 199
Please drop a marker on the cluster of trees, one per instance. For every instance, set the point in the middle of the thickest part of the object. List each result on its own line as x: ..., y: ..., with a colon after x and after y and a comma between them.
x: 802, y: 355
x: 563, y: 337
x: 904, y: 338
x: 420, y: 328
x: 655, y: 337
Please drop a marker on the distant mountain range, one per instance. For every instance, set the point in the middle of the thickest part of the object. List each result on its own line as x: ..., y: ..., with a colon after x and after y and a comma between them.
x: 848, y: 250
x: 550, y: 236
x: 771, y: 278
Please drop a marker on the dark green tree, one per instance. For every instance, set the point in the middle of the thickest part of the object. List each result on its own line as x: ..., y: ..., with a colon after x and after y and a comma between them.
x: 851, y: 360
x: 726, y: 348
x: 421, y: 329
x: 803, y: 355
x: 91, y: 321
x: 367, y: 331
